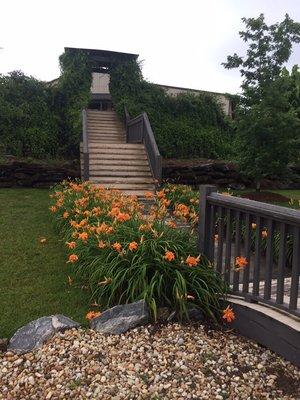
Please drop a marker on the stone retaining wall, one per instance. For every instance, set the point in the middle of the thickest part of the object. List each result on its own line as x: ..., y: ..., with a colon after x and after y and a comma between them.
x: 190, y: 172
x: 220, y: 173
x: 25, y: 174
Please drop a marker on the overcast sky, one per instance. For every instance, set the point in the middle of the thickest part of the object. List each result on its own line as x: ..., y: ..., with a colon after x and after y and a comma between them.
x: 181, y: 42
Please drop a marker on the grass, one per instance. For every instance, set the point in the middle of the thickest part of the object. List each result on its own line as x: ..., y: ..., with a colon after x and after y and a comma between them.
x: 33, y: 276
x: 294, y: 195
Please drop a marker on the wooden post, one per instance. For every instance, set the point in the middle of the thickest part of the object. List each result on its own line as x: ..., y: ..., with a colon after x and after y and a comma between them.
x: 204, y: 219
x: 86, y: 161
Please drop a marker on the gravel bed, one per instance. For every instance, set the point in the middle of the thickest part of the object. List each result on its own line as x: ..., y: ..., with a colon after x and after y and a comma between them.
x: 152, y: 362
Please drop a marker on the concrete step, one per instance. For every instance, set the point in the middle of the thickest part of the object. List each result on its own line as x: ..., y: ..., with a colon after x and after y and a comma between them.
x: 117, y: 168
x: 101, y: 147
x: 100, y: 137
x: 104, y: 124
x: 125, y: 146
x: 107, y: 131
x: 107, y: 140
x: 122, y: 173
x: 135, y: 192
x: 120, y: 157
x: 112, y: 118
x: 125, y: 180
x: 97, y: 149
x: 125, y: 186
x: 105, y: 162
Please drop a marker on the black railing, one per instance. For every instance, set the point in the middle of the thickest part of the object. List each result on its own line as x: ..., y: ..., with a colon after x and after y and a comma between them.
x: 138, y: 130
x: 84, y: 148
x: 265, y: 236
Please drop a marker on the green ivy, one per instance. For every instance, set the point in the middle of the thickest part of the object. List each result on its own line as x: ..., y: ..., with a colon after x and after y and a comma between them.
x: 43, y: 120
x: 185, y: 126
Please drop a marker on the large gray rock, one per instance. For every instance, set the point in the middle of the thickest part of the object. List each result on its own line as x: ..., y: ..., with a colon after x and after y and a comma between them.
x: 120, y: 319
x: 37, y: 332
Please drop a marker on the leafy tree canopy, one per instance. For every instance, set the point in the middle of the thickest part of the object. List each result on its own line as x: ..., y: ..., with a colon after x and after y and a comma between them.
x: 267, y: 121
x: 269, y: 48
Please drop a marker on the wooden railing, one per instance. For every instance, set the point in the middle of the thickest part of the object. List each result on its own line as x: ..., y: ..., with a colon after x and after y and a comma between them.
x: 138, y: 130
x: 267, y: 236
x: 85, y: 147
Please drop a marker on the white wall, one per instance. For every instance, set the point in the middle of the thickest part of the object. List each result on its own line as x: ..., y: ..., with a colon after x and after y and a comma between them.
x: 100, y: 83
x: 223, y: 100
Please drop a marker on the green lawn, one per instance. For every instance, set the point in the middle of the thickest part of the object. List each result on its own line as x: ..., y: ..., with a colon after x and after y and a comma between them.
x: 294, y: 195
x: 33, y: 277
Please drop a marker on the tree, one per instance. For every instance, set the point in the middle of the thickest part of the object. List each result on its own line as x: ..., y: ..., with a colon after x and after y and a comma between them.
x: 269, y: 48
x: 267, y: 118
x: 268, y: 133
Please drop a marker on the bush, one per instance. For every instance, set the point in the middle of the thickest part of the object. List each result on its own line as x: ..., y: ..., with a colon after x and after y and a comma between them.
x: 40, y: 120
x: 124, y: 256
x: 185, y: 126
x: 27, y: 127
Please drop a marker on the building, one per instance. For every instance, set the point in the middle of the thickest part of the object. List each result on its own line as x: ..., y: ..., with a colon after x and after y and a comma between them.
x: 102, y: 60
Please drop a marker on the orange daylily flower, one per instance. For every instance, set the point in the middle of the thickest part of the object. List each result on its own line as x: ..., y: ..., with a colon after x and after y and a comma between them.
x: 228, y: 314
x: 71, y: 245
x: 133, y: 246
x: 264, y: 233
x: 172, y: 224
x: 253, y: 225
x: 83, y: 236
x: 53, y: 209
x: 169, y: 256
x: 240, y: 263
x: 122, y: 217
x: 192, y: 261
x: 101, y: 244
x: 117, y: 246
x: 73, y: 258
x: 160, y: 194
x: 92, y: 314
x: 148, y: 195
x: 65, y: 214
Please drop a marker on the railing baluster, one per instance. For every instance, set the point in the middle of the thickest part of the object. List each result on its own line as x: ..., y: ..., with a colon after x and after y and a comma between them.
x: 281, y: 226
x: 220, y: 241
x: 269, y: 260
x: 281, y: 264
x: 211, y: 253
x: 246, y: 272
x: 257, y: 257
x: 236, y: 274
x: 228, y: 246
x: 295, y: 269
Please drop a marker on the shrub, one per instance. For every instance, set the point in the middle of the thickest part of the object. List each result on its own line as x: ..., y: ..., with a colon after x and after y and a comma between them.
x: 40, y: 120
x: 185, y: 126
x: 125, y: 256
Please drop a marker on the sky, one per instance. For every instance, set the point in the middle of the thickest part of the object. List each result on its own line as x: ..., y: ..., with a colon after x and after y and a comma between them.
x: 182, y: 43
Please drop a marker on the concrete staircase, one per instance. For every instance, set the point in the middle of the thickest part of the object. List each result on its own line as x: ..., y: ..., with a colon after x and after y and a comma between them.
x: 113, y: 163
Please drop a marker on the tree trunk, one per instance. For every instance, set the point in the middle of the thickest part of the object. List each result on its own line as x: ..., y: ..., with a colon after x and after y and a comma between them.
x: 257, y: 186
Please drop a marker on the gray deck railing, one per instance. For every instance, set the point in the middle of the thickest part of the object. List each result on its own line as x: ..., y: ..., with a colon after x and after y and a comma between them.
x: 138, y: 130
x: 268, y: 236
x: 85, y: 147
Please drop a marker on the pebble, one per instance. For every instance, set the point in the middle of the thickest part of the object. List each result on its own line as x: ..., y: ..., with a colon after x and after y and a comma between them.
x: 170, y: 362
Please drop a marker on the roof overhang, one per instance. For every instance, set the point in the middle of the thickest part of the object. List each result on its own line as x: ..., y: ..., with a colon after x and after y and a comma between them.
x: 102, y: 59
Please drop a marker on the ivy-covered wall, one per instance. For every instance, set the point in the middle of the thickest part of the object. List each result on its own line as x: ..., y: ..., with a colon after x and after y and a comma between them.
x: 41, y: 120
x: 185, y: 126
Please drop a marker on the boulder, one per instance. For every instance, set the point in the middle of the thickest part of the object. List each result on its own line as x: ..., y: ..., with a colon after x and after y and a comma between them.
x: 120, y: 319
x: 37, y: 332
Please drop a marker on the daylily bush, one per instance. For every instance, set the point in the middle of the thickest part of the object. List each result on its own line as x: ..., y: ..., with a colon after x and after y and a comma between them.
x: 124, y: 255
